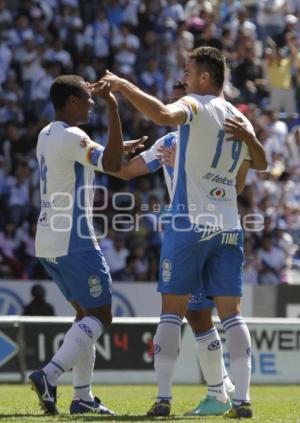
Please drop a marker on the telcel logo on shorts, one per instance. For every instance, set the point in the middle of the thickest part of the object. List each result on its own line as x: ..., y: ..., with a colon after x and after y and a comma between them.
x: 95, y: 286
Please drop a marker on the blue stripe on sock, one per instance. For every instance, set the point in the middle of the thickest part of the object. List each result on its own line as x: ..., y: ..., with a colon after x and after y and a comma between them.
x: 209, y: 332
x: 228, y: 319
x: 57, y: 365
x: 164, y: 398
x: 171, y: 316
x: 215, y: 386
x: 82, y: 387
x: 235, y: 324
x: 170, y: 321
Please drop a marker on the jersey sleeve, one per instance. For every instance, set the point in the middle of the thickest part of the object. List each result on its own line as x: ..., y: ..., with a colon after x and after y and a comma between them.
x: 150, y: 156
x: 79, y: 147
x: 190, y: 105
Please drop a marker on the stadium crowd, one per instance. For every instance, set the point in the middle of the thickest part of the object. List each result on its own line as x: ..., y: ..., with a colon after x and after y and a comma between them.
x: 147, y: 41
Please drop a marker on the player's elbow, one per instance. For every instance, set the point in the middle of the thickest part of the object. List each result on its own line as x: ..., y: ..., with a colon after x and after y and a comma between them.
x: 163, y: 118
x: 261, y: 166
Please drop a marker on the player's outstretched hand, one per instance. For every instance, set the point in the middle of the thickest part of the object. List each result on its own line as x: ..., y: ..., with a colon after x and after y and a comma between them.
x: 166, y: 155
x: 236, y: 129
x: 103, y: 90
x: 133, y: 145
x: 114, y: 80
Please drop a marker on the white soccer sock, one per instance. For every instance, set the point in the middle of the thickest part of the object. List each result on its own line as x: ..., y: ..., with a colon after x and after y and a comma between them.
x: 166, y: 348
x: 210, y: 351
x: 239, y: 347
x: 82, y: 376
x: 79, y: 339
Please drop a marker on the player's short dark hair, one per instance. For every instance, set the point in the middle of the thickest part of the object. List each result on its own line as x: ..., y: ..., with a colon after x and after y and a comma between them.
x: 178, y: 86
x: 211, y: 60
x: 63, y: 87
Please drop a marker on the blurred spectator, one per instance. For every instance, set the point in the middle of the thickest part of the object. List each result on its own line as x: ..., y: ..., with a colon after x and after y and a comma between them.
x: 38, y: 306
x: 272, y: 262
x: 279, y: 73
x: 116, y: 256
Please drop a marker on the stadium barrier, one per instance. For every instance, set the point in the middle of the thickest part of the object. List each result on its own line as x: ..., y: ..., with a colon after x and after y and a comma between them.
x: 124, y: 354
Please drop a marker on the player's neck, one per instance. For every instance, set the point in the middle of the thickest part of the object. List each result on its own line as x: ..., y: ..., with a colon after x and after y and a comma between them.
x: 67, y: 118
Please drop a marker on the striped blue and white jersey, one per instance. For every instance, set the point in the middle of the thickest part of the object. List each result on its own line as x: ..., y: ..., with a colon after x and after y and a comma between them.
x: 206, y: 164
x: 153, y: 163
x: 67, y: 161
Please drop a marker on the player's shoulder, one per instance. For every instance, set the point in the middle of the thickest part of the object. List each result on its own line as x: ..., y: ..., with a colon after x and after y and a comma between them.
x: 75, y: 132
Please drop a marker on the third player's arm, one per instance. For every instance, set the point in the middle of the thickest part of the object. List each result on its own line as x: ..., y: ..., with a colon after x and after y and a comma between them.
x: 241, y: 176
x: 135, y: 167
x: 237, y: 129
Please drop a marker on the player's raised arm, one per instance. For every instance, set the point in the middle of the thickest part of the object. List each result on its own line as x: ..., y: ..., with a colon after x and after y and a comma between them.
x: 154, y: 109
x: 112, y: 154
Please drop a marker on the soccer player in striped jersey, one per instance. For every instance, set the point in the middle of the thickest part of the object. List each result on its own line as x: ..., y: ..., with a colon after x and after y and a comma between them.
x: 199, y: 314
x: 65, y: 240
x: 204, y: 242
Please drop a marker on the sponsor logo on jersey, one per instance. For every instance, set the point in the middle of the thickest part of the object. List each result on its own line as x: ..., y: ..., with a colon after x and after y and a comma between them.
x: 47, y: 204
x: 217, y: 192
x: 43, y: 219
x: 84, y: 142
x: 218, y: 179
x: 95, y: 286
x: 166, y: 270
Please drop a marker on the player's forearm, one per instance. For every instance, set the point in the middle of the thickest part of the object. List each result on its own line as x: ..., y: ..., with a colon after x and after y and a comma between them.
x: 257, y: 153
x: 135, y: 167
x: 121, y: 174
x: 112, y: 155
x: 145, y: 103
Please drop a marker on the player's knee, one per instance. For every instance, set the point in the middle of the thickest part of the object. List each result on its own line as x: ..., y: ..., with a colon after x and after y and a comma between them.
x: 101, y: 313
x: 227, y: 306
x: 200, y: 320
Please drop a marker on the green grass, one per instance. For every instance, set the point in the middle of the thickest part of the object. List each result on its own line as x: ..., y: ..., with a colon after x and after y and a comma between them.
x: 272, y: 404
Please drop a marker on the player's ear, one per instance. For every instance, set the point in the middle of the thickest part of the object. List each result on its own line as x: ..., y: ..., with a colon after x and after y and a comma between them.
x: 72, y: 100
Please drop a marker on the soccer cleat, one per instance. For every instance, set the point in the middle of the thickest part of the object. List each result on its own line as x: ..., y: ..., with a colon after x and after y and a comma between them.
x: 210, y: 406
x: 45, y: 392
x: 161, y: 408
x: 79, y: 406
x: 243, y: 410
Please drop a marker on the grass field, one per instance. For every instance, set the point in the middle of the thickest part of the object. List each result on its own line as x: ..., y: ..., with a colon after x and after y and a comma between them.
x: 272, y: 404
